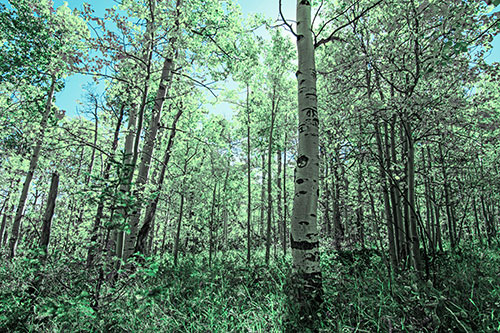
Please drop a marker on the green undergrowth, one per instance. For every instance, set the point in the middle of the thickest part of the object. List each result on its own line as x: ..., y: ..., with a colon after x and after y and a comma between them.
x: 463, y: 295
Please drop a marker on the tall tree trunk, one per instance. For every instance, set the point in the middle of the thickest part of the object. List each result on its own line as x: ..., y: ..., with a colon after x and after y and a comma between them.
x: 178, y: 233
x: 151, y: 209
x: 476, y: 220
x: 6, y: 209
x: 360, y: 235
x: 449, y: 212
x: 338, y: 229
x: 8, y: 218
x: 16, y: 226
x: 74, y: 208
x: 166, y: 226
x: 263, y: 197
x: 326, y: 192
x: 396, y: 196
x: 3, y: 228
x: 279, y: 194
x: 304, y: 232
x: 344, y: 201
x: 120, y: 237
x: 100, y: 207
x: 125, y: 177
x: 269, y: 181
x: 147, y: 151
x: 147, y: 154
x: 249, y: 178
x: 385, y: 194
x: 430, y: 200
x: 224, y: 210
x: 486, y: 218
x: 285, y: 202
x: 91, y: 161
x: 392, y: 195
x: 405, y: 200
x: 427, y: 201
x: 211, y: 227
x: 49, y: 213
x: 414, y: 241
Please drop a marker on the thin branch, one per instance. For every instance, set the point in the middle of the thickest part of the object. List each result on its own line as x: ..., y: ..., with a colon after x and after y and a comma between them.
x: 336, y: 17
x: 285, y: 21
x: 485, y: 31
x: 213, y: 41
x: 357, y: 17
x: 79, y: 140
x: 317, y: 12
x: 198, y: 82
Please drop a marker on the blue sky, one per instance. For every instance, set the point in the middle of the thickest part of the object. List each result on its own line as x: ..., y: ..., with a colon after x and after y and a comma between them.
x: 67, y: 99
x: 74, y: 90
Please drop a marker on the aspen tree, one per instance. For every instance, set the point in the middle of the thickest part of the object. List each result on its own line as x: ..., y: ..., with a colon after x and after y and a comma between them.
x: 304, y: 233
x: 16, y: 226
x: 147, y: 152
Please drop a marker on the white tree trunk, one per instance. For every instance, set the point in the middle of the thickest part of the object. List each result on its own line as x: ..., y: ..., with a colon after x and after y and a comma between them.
x: 304, y: 234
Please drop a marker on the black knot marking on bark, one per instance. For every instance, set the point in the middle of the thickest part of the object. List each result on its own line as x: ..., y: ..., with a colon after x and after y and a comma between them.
x: 311, y: 235
x: 305, y: 2
x: 315, y: 122
x: 311, y: 112
x: 302, y: 161
x: 314, y: 257
x: 307, y: 246
x: 297, y: 194
x: 303, y: 128
x: 300, y: 181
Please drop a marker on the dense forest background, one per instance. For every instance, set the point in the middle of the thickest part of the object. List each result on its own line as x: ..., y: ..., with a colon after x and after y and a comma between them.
x: 355, y: 188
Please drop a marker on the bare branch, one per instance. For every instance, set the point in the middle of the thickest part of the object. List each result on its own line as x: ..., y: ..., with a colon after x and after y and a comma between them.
x: 285, y: 21
x: 332, y: 36
x: 317, y: 13
x: 336, y: 17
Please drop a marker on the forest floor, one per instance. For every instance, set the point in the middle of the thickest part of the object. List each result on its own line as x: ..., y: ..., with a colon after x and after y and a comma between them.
x: 462, y: 294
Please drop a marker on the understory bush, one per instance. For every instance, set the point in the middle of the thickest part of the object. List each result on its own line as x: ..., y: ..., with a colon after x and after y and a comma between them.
x: 462, y: 294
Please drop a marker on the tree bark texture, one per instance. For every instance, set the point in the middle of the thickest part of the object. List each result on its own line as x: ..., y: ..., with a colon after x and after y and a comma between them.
x: 304, y: 232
